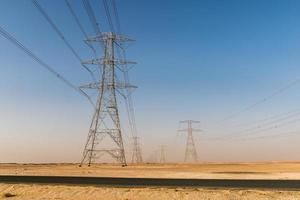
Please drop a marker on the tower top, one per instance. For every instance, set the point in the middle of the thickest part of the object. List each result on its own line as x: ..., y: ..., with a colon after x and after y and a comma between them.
x: 108, y: 36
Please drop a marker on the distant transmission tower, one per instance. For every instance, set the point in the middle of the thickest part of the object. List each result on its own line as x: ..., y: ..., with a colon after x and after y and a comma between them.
x: 137, y: 153
x: 162, y: 150
x: 106, y: 120
x: 190, y: 149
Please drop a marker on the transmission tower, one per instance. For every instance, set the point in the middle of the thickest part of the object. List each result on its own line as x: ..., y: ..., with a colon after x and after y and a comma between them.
x: 162, y: 150
x: 190, y: 149
x: 106, y: 121
x: 137, y: 153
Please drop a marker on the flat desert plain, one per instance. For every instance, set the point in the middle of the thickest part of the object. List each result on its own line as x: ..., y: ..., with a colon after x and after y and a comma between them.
x: 270, y: 170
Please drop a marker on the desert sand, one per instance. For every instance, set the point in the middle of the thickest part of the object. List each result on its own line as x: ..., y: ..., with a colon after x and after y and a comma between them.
x: 271, y: 170
x: 44, y: 192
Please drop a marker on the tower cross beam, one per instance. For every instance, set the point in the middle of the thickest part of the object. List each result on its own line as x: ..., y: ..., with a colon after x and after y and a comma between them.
x: 193, y: 129
x: 103, y: 61
x: 107, y: 86
x: 108, y: 36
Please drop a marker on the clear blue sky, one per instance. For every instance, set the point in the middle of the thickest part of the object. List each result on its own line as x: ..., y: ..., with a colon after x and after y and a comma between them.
x: 201, y: 60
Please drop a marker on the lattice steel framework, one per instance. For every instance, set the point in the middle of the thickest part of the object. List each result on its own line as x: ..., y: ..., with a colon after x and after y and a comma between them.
x: 190, y: 149
x: 137, y: 152
x: 106, y: 119
x: 162, y: 151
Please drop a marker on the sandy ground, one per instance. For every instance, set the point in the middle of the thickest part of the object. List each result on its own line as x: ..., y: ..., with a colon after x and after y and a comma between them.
x: 44, y: 192
x: 274, y: 170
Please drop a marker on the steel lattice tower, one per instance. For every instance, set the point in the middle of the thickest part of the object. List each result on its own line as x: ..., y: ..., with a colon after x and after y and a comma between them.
x: 137, y: 153
x: 163, y: 150
x: 190, y: 149
x: 106, y: 121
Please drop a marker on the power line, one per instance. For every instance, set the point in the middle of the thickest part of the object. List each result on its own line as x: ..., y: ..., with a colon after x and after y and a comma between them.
x: 129, y: 102
x: 264, y: 123
x: 115, y: 9
x: 109, y: 18
x: 254, y: 132
x: 268, y: 128
x: 59, y: 33
x: 91, y: 15
x: 137, y: 152
x: 274, y: 121
x: 76, y: 18
x: 18, y: 44
x: 93, y: 20
x: 128, y: 97
x: 269, y: 118
x: 273, y: 136
x: 266, y: 98
x: 69, y: 6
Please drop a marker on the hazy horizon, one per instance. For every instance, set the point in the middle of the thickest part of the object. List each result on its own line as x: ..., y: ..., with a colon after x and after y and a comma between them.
x: 233, y: 65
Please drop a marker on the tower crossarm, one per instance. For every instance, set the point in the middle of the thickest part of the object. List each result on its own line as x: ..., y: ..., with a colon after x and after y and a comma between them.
x: 108, y: 86
x: 103, y: 61
x: 191, y: 121
x: 192, y: 129
x: 109, y: 36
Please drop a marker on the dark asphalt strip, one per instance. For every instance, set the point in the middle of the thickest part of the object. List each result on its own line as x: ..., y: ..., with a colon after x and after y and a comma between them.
x: 154, y: 182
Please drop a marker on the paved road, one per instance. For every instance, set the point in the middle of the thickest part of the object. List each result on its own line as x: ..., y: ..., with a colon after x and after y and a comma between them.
x: 154, y: 182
